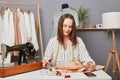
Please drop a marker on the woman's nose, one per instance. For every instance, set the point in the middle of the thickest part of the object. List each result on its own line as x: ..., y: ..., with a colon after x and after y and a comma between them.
x: 67, y: 27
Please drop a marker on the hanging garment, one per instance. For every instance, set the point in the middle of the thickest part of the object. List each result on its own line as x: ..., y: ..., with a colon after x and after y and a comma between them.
x: 16, y: 28
x: 34, y: 36
x: 1, y: 30
x: 57, y: 16
x: 8, y: 24
x: 8, y: 32
x: 22, y: 26
x: 28, y: 27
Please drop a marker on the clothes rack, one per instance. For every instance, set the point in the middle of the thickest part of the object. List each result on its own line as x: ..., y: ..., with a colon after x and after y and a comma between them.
x: 38, y: 25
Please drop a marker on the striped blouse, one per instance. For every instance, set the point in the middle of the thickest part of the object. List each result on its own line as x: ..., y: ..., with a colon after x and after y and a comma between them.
x: 60, y: 56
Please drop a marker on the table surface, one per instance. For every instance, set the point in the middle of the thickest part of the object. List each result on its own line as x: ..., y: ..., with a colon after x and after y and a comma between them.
x: 37, y: 75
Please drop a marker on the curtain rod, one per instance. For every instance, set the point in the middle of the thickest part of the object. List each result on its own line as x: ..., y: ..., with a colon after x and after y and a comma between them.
x: 18, y: 4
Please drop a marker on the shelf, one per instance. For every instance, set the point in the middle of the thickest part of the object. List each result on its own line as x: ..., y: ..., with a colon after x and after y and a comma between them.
x: 96, y: 29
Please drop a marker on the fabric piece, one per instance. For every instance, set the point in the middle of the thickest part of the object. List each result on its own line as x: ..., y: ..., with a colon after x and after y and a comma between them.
x: 1, y: 30
x: 33, y: 30
x: 28, y: 27
x: 22, y: 26
x: 9, y: 37
x: 76, y: 66
x: 16, y: 28
x: 70, y: 66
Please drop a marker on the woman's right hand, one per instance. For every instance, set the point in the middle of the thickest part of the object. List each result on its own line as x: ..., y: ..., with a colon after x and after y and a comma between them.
x: 46, y: 63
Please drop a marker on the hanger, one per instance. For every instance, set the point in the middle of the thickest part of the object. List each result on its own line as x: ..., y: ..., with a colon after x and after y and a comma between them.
x: 2, y: 10
x: 22, y: 10
x: 6, y: 8
x: 29, y: 11
x: 11, y: 9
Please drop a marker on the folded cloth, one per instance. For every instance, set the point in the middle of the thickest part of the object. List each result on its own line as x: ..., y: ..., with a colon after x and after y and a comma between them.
x: 70, y: 66
x: 75, y: 66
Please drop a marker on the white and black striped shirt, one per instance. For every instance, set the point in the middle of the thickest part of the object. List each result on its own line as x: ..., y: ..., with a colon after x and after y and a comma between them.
x: 80, y: 52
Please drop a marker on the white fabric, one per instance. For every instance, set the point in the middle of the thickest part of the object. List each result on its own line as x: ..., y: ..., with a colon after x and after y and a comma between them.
x: 28, y: 27
x: 9, y: 37
x: 34, y: 36
x: 80, y: 52
x: 8, y: 31
x: 1, y: 30
x: 22, y: 26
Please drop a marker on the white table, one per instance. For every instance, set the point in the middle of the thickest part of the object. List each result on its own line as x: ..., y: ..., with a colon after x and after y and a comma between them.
x: 36, y: 75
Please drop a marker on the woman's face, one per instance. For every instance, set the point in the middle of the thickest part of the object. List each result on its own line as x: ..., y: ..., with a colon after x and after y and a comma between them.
x: 67, y: 27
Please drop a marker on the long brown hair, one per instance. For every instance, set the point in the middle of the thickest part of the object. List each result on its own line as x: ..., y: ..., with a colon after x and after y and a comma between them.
x: 72, y: 35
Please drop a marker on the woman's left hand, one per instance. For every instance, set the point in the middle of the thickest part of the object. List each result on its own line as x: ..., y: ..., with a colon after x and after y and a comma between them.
x: 90, y: 67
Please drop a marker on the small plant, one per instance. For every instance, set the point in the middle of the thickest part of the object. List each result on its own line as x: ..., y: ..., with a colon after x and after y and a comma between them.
x: 83, y: 15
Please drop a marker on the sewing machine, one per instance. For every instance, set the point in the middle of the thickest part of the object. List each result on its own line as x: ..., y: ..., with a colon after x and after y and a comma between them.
x: 25, y: 50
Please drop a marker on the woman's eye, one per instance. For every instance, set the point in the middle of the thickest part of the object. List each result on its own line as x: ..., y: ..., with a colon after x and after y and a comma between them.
x: 70, y: 26
x: 64, y: 25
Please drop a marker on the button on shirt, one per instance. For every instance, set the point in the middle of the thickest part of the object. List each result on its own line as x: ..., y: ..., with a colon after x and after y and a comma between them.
x: 80, y: 52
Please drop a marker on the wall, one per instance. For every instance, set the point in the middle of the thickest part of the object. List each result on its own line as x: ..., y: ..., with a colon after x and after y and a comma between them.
x: 96, y: 41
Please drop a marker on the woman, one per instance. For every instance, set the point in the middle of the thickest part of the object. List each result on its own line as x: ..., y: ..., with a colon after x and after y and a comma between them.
x: 67, y: 46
